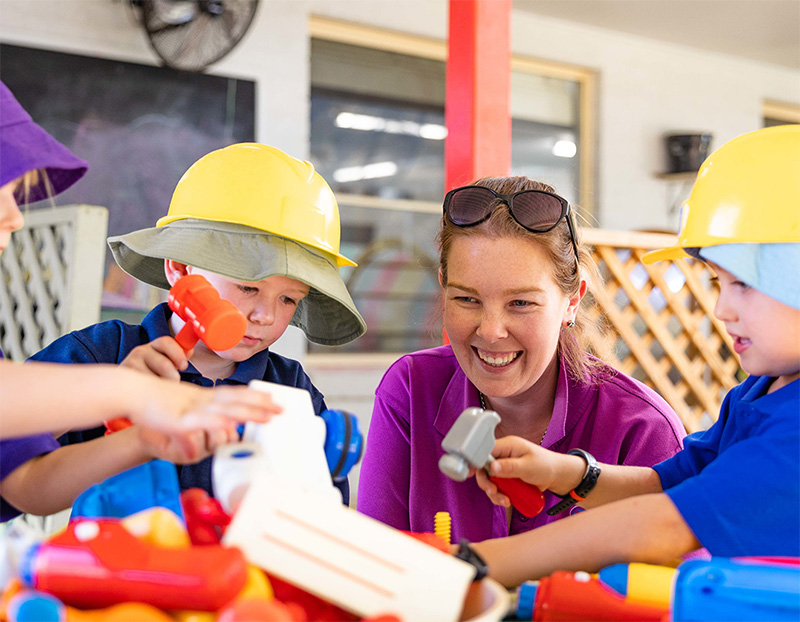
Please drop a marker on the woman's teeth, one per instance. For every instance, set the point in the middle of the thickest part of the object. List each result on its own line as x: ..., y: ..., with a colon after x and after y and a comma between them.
x: 497, y: 361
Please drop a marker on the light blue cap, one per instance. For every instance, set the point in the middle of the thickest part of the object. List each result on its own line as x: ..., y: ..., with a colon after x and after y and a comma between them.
x: 773, y: 269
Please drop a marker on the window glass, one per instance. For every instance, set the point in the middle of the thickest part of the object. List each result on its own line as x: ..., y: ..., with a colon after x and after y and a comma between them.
x: 377, y: 137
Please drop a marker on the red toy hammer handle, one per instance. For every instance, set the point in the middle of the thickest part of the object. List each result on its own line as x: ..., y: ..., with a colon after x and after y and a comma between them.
x: 187, y: 337
x: 527, y: 498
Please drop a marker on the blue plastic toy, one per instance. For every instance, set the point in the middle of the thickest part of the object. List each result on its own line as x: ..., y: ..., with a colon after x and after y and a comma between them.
x: 149, y: 485
x: 731, y: 589
x: 343, y: 442
x: 32, y: 606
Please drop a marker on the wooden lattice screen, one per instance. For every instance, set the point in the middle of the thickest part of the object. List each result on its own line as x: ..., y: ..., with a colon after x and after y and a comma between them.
x: 659, y: 320
x: 51, y: 277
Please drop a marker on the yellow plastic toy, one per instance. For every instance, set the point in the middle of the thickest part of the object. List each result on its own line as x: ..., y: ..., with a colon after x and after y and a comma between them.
x: 441, y: 526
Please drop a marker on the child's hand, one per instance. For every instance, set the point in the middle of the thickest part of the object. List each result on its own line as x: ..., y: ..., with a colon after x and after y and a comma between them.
x: 184, y: 423
x: 184, y: 447
x: 162, y: 357
x: 182, y: 407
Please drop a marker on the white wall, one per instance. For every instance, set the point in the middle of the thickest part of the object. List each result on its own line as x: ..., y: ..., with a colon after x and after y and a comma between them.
x: 646, y: 88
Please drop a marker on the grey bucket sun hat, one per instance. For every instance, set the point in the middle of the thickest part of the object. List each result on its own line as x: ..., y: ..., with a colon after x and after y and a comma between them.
x: 327, y: 315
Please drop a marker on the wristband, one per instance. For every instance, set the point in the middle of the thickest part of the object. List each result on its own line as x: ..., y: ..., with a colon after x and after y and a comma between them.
x: 467, y: 553
x: 581, y: 490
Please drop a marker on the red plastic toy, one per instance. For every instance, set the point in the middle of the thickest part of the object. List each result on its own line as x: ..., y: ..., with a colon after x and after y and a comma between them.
x: 314, y: 607
x: 527, y: 498
x: 215, y: 321
x: 208, y: 317
x: 95, y: 564
x: 431, y: 539
x: 205, y: 519
x: 578, y: 596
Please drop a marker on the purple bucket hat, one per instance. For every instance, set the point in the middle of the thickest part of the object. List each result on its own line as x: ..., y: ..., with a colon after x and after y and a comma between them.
x: 24, y: 147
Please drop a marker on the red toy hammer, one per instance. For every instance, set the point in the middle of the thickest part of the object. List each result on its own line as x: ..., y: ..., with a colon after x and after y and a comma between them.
x: 208, y: 317
x: 217, y: 322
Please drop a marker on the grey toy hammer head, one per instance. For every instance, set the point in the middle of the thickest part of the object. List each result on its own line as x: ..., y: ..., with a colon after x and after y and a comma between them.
x: 468, y: 443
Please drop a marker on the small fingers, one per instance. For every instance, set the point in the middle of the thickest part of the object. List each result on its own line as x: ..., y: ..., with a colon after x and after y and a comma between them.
x: 162, y: 367
x: 246, y: 395
x: 169, y: 349
x: 161, y: 357
x: 216, y: 438
x: 188, y: 447
x: 243, y: 404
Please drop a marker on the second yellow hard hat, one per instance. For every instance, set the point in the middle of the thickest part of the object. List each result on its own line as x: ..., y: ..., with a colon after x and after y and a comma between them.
x: 747, y: 191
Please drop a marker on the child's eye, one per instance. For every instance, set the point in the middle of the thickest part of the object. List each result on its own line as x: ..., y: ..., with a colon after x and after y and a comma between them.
x: 741, y: 285
x: 464, y: 299
x: 521, y: 304
x: 288, y: 301
x: 248, y: 289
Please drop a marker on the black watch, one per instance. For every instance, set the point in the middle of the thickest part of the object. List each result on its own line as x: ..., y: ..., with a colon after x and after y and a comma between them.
x: 581, y: 490
x: 467, y: 553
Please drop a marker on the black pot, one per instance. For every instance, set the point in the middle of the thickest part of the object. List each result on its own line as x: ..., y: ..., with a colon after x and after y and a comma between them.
x: 686, y: 152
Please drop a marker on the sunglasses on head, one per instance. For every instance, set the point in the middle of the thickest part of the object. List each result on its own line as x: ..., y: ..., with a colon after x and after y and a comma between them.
x: 537, y: 211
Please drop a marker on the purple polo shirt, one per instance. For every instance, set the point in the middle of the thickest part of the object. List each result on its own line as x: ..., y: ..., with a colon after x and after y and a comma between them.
x: 618, y: 420
x: 17, y: 451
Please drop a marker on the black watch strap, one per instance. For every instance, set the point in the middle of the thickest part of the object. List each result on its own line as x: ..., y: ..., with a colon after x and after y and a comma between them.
x: 467, y: 553
x: 581, y: 490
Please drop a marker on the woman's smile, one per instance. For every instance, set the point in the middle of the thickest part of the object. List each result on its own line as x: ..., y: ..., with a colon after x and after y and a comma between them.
x: 504, y: 332
x: 497, y: 359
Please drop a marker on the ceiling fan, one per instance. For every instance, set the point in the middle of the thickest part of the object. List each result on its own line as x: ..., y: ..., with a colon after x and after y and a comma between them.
x: 190, y: 35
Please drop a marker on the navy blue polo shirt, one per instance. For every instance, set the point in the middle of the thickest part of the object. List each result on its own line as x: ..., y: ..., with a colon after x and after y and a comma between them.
x: 112, y: 341
x: 737, y: 484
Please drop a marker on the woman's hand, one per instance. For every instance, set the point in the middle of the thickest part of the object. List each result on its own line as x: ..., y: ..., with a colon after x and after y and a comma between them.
x: 514, y: 457
x: 545, y: 469
x: 161, y: 357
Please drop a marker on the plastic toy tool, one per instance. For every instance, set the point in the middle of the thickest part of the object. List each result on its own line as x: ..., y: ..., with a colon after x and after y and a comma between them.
x: 94, y: 564
x: 215, y: 321
x: 208, y: 317
x: 578, y: 596
x: 469, y: 443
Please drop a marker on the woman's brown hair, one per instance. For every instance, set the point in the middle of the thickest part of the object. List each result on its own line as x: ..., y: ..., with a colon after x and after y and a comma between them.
x: 573, y: 343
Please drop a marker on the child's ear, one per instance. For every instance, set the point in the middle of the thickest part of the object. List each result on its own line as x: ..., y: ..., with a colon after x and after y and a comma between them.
x: 441, y: 282
x: 174, y: 270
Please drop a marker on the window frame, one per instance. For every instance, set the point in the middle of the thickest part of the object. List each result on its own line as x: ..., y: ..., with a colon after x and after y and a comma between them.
x: 780, y: 111
x: 338, y: 31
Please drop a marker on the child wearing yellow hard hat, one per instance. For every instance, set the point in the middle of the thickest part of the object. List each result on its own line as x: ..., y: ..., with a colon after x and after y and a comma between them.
x: 734, y: 488
x: 263, y: 228
x: 37, y: 475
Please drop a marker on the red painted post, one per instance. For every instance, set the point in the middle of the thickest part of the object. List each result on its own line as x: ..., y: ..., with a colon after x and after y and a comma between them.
x: 477, y: 108
x: 477, y: 102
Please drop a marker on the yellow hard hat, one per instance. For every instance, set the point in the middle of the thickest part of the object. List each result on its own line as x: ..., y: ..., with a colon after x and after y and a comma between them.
x: 261, y: 187
x: 747, y: 191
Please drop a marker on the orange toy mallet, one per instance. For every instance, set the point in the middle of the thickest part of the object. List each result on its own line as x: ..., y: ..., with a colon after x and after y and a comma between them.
x: 209, y: 318
x: 215, y: 321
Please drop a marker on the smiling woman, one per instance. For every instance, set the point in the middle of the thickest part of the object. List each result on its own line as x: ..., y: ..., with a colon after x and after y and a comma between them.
x: 512, y: 310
